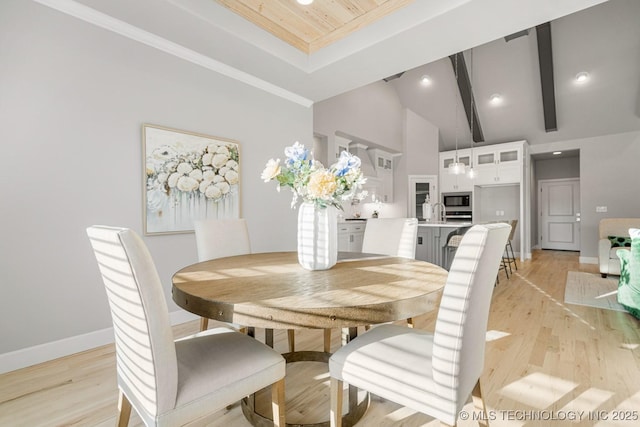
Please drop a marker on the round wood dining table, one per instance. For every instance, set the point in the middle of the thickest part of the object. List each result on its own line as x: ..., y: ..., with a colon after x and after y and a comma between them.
x: 272, y: 291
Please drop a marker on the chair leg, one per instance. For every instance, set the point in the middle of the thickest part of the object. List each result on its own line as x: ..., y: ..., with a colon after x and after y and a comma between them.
x: 277, y: 403
x: 507, y: 259
x: 504, y: 265
x: 410, y: 322
x: 292, y: 340
x: 478, y: 402
x: 327, y: 341
x: 335, y: 416
x: 204, y: 324
x: 124, y: 410
x: 513, y: 255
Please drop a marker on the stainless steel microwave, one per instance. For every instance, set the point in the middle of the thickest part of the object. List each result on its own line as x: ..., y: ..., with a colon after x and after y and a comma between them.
x: 457, y: 201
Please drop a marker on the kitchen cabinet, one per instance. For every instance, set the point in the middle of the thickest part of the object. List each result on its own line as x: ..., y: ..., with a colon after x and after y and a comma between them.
x: 499, y: 164
x: 432, y: 239
x: 341, y: 144
x: 450, y: 183
x: 350, y: 236
x: 383, y: 163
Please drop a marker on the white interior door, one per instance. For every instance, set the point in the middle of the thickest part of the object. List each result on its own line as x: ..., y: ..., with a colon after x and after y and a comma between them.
x: 559, y: 204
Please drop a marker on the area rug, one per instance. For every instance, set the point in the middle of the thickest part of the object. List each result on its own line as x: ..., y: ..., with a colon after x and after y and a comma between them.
x: 592, y: 290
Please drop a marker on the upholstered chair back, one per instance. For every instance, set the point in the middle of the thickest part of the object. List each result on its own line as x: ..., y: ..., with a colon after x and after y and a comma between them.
x: 391, y: 236
x: 461, y: 325
x: 143, y: 334
x: 217, y: 238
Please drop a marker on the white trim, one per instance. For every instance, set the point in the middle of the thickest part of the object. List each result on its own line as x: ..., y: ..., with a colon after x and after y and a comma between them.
x: 107, y: 22
x: 52, y: 350
x: 588, y: 260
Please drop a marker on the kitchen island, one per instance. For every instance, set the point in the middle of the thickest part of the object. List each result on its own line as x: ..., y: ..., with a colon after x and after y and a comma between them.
x: 432, y: 239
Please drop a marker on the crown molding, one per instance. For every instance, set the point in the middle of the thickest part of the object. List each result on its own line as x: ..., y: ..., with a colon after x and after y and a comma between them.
x: 99, y: 19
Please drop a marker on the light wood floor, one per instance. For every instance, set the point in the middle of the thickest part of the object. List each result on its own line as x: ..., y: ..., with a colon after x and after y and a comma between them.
x: 543, y: 359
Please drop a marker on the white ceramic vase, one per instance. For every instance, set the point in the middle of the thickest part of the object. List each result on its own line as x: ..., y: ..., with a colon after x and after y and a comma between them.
x: 317, y: 237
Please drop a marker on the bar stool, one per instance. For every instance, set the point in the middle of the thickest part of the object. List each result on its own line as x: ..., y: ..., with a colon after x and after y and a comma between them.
x: 510, y: 257
x: 451, y: 247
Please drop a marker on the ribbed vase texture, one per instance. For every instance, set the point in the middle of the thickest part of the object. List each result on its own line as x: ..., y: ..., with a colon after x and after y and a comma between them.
x: 317, y: 237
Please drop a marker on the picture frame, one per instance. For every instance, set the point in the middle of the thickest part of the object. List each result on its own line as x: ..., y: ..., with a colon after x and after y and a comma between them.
x: 187, y: 176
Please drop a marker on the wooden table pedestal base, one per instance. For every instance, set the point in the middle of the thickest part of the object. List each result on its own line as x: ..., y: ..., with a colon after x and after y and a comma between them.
x: 356, y: 409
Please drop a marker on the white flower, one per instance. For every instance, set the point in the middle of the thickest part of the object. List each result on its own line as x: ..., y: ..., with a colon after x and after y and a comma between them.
x: 208, y: 175
x: 163, y: 153
x: 213, y: 192
x: 232, y: 164
x: 222, y: 149
x: 271, y: 170
x: 218, y: 178
x: 223, y: 170
x: 322, y: 184
x: 196, y: 174
x: 162, y: 177
x: 173, y: 179
x: 222, y: 186
x: 204, y: 185
x: 206, y: 159
x: 186, y: 183
x: 219, y: 160
x: 184, y: 168
x: 231, y: 176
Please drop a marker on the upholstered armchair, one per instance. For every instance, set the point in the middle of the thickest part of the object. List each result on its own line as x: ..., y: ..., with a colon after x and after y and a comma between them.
x: 629, y: 284
x: 614, y: 236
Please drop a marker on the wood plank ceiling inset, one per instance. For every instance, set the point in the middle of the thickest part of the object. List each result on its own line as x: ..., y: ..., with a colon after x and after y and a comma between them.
x: 310, y: 28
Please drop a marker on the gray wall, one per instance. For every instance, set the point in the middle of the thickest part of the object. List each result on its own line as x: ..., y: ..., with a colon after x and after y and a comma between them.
x: 608, y: 177
x: 557, y: 168
x: 505, y: 198
x: 73, y: 100
x: 373, y: 113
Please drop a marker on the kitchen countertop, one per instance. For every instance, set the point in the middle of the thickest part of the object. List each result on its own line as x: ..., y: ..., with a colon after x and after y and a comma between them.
x: 450, y: 224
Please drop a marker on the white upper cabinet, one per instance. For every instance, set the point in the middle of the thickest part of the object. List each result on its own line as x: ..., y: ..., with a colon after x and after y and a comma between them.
x: 450, y: 183
x: 341, y: 144
x: 498, y: 164
x: 383, y: 160
x: 383, y: 163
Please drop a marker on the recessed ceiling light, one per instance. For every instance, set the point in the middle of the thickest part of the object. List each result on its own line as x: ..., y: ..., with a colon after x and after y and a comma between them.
x: 425, y: 80
x: 582, y: 77
x: 496, y: 98
x: 305, y: 2
x: 555, y: 153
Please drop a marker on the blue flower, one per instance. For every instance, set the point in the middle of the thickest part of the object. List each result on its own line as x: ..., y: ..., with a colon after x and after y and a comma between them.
x: 345, y: 163
x: 295, y: 153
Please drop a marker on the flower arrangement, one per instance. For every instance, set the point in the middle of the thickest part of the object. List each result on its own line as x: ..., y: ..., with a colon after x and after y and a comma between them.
x: 311, y: 182
x: 208, y: 172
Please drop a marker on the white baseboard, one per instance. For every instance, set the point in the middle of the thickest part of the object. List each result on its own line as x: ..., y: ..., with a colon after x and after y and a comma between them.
x: 52, y: 350
x: 588, y: 260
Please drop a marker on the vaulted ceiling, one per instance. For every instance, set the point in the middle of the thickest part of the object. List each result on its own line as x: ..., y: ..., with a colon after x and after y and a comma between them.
x: 308, y: 54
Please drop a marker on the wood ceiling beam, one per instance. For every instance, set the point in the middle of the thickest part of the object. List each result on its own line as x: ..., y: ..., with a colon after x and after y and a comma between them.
x: 545, y: 59
x: 464, y: 85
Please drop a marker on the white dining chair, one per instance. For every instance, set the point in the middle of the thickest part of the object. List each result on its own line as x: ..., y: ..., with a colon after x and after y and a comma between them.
x: 386, y: 236
x: 431, y: 373
x: 219, y: 238
x: 391, y: 236
x: 169, y: 382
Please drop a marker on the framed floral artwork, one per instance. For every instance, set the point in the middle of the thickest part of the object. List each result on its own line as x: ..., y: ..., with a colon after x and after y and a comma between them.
x: 188, y: 176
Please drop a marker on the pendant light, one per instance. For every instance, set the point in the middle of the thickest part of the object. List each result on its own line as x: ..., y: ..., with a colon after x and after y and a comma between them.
x: 471, y: 173
x: 456, y: 167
